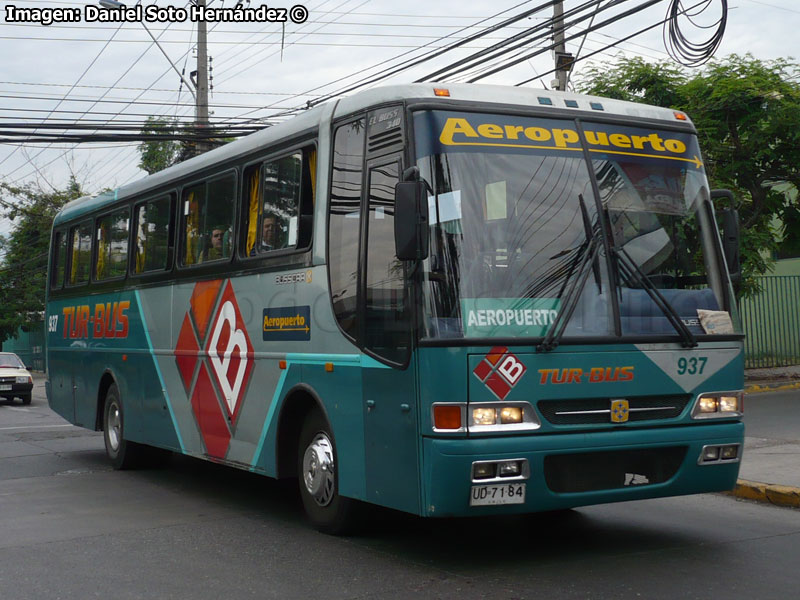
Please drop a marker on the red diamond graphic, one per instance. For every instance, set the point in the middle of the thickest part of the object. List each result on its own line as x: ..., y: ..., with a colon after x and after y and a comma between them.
x: 495, y: 354
x: 498, y: 385
x: 482, y: 370
x: 186, y: 352
x: 208, y: 412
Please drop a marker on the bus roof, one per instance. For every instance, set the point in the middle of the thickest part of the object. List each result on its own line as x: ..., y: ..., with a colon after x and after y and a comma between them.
x: 310, y: 120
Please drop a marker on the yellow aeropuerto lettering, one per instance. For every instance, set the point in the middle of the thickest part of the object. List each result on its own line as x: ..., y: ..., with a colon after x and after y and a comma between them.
x: 620, y: 140
x: 512, y: 131
x: 655, y: 142
x: 676, y: 146
x: 491, y: 131
x: 562, y: 137
x: 639, y: 141
x: 452, y: 127
x: 597, y: 138
x: 538, y: 134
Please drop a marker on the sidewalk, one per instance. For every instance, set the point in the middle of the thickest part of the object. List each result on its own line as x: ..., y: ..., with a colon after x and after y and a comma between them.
x: 770, y: 470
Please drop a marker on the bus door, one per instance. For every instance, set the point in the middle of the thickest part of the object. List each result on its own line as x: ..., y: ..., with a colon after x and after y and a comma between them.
x: 390, y: 419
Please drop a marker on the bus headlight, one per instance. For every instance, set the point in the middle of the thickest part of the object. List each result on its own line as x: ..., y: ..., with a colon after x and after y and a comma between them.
x: 719, y: 404
x: 501, y: 417
x: 484, y: 416
x: 510, y: 414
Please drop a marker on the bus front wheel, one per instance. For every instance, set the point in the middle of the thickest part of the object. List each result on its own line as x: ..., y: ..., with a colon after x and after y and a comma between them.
x: 327, y: 511
x: 122, y: 453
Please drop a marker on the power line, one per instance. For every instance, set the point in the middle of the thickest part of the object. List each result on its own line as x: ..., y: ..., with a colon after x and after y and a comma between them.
x: 91, y: 64
x: 513, y: 61
x: 624, y: 39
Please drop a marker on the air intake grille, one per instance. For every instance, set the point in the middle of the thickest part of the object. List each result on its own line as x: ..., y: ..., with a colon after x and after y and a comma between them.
x: 591, y: 411
x: 594, y: 471
x: 385, y: 139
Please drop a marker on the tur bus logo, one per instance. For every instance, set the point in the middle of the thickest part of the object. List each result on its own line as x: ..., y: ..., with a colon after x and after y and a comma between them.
x: 214, y: 358
x: 500, y: 371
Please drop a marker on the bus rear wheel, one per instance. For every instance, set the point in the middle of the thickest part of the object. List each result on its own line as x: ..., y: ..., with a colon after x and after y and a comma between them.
x: 122, y: 453
x: 318, y: 479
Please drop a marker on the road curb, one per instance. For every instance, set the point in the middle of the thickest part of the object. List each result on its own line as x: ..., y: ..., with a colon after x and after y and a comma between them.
x: 757, y: 388
x: 778, y: 495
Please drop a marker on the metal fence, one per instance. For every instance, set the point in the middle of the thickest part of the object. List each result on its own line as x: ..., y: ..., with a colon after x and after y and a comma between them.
x: 771, y: 321
x: 29, y: 346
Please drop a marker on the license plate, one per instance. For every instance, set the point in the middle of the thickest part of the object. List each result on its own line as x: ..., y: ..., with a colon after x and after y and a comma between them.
x: 5, y: 388
x: 501, y: 493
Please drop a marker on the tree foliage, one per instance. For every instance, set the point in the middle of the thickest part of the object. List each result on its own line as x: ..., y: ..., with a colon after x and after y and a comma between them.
x: 747, y: 115
x: 157, y: 155
x: 23, y: 269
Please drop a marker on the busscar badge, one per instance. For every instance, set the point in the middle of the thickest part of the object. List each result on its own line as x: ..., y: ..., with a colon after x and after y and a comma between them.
x: 619, y: 410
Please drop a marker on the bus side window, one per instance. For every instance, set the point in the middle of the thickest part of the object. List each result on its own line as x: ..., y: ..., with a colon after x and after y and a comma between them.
x: 191, y: 220
x: 282, y: 181
x: 112, y: 246
x: 207, y: 219
x: 218, y: 218
x: 80, y: 253
x: 278, y: 203
x: 59, y: 261
x: 344, y: 222
x: 152, y: 235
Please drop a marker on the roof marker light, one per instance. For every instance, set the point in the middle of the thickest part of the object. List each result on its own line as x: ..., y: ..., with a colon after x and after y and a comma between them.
x: 596, y: 106
x: 680, y: 116
x: 545, y: 101
x: 441, y: 92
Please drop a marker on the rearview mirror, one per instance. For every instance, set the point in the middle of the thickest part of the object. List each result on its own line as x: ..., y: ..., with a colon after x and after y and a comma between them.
x: 728, y: 221
x: 411, y: 220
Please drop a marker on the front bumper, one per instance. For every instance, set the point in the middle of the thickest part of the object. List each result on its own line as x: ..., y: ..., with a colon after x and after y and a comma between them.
x: 447, y: 478
x: 16, y: 389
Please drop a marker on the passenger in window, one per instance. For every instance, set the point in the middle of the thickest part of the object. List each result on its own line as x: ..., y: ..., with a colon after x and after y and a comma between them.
x: 216, y: 249
x: 269, y: 233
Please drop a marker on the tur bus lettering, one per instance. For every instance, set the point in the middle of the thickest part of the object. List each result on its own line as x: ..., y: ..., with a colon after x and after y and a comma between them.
x: 107, y: 321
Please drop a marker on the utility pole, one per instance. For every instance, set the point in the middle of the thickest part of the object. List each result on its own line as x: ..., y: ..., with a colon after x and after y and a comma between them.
x: 201, y: 98
x: 563, y: 60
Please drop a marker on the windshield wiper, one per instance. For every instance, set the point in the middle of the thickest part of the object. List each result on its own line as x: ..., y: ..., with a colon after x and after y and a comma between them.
x: 559, y: 325
x: 631, y: 270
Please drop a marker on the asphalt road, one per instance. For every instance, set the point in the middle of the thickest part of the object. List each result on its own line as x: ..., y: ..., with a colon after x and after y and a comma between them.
x: 70, y: 527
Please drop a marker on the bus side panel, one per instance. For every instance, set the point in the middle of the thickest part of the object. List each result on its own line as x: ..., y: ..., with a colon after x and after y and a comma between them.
x: 59, y: 388
x: 340, y: 393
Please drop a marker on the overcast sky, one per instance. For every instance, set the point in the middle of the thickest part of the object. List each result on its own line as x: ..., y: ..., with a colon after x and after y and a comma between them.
x: 93, y: 72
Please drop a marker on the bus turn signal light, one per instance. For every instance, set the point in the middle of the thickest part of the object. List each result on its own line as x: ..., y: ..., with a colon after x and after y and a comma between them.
x: 447, y: 416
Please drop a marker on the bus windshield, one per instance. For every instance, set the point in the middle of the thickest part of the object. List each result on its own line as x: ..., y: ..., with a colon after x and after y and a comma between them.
x: 520, y: 220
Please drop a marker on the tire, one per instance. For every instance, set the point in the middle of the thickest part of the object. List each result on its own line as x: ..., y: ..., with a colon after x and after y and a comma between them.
x: 26, y: 398
x: 122, y: 453
x: 318, y: 479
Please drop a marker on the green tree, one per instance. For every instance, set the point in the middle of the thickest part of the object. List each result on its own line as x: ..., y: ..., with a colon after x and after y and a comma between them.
x: 747, y: 115
x: 23, y: 267
x: 157, y: 155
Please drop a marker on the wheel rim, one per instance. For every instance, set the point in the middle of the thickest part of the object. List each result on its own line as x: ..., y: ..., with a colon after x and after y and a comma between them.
x: 318, y: 470
x: 114, y: 426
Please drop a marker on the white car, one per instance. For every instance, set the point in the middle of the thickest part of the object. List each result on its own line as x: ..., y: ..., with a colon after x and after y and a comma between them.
x: 15, y: 380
